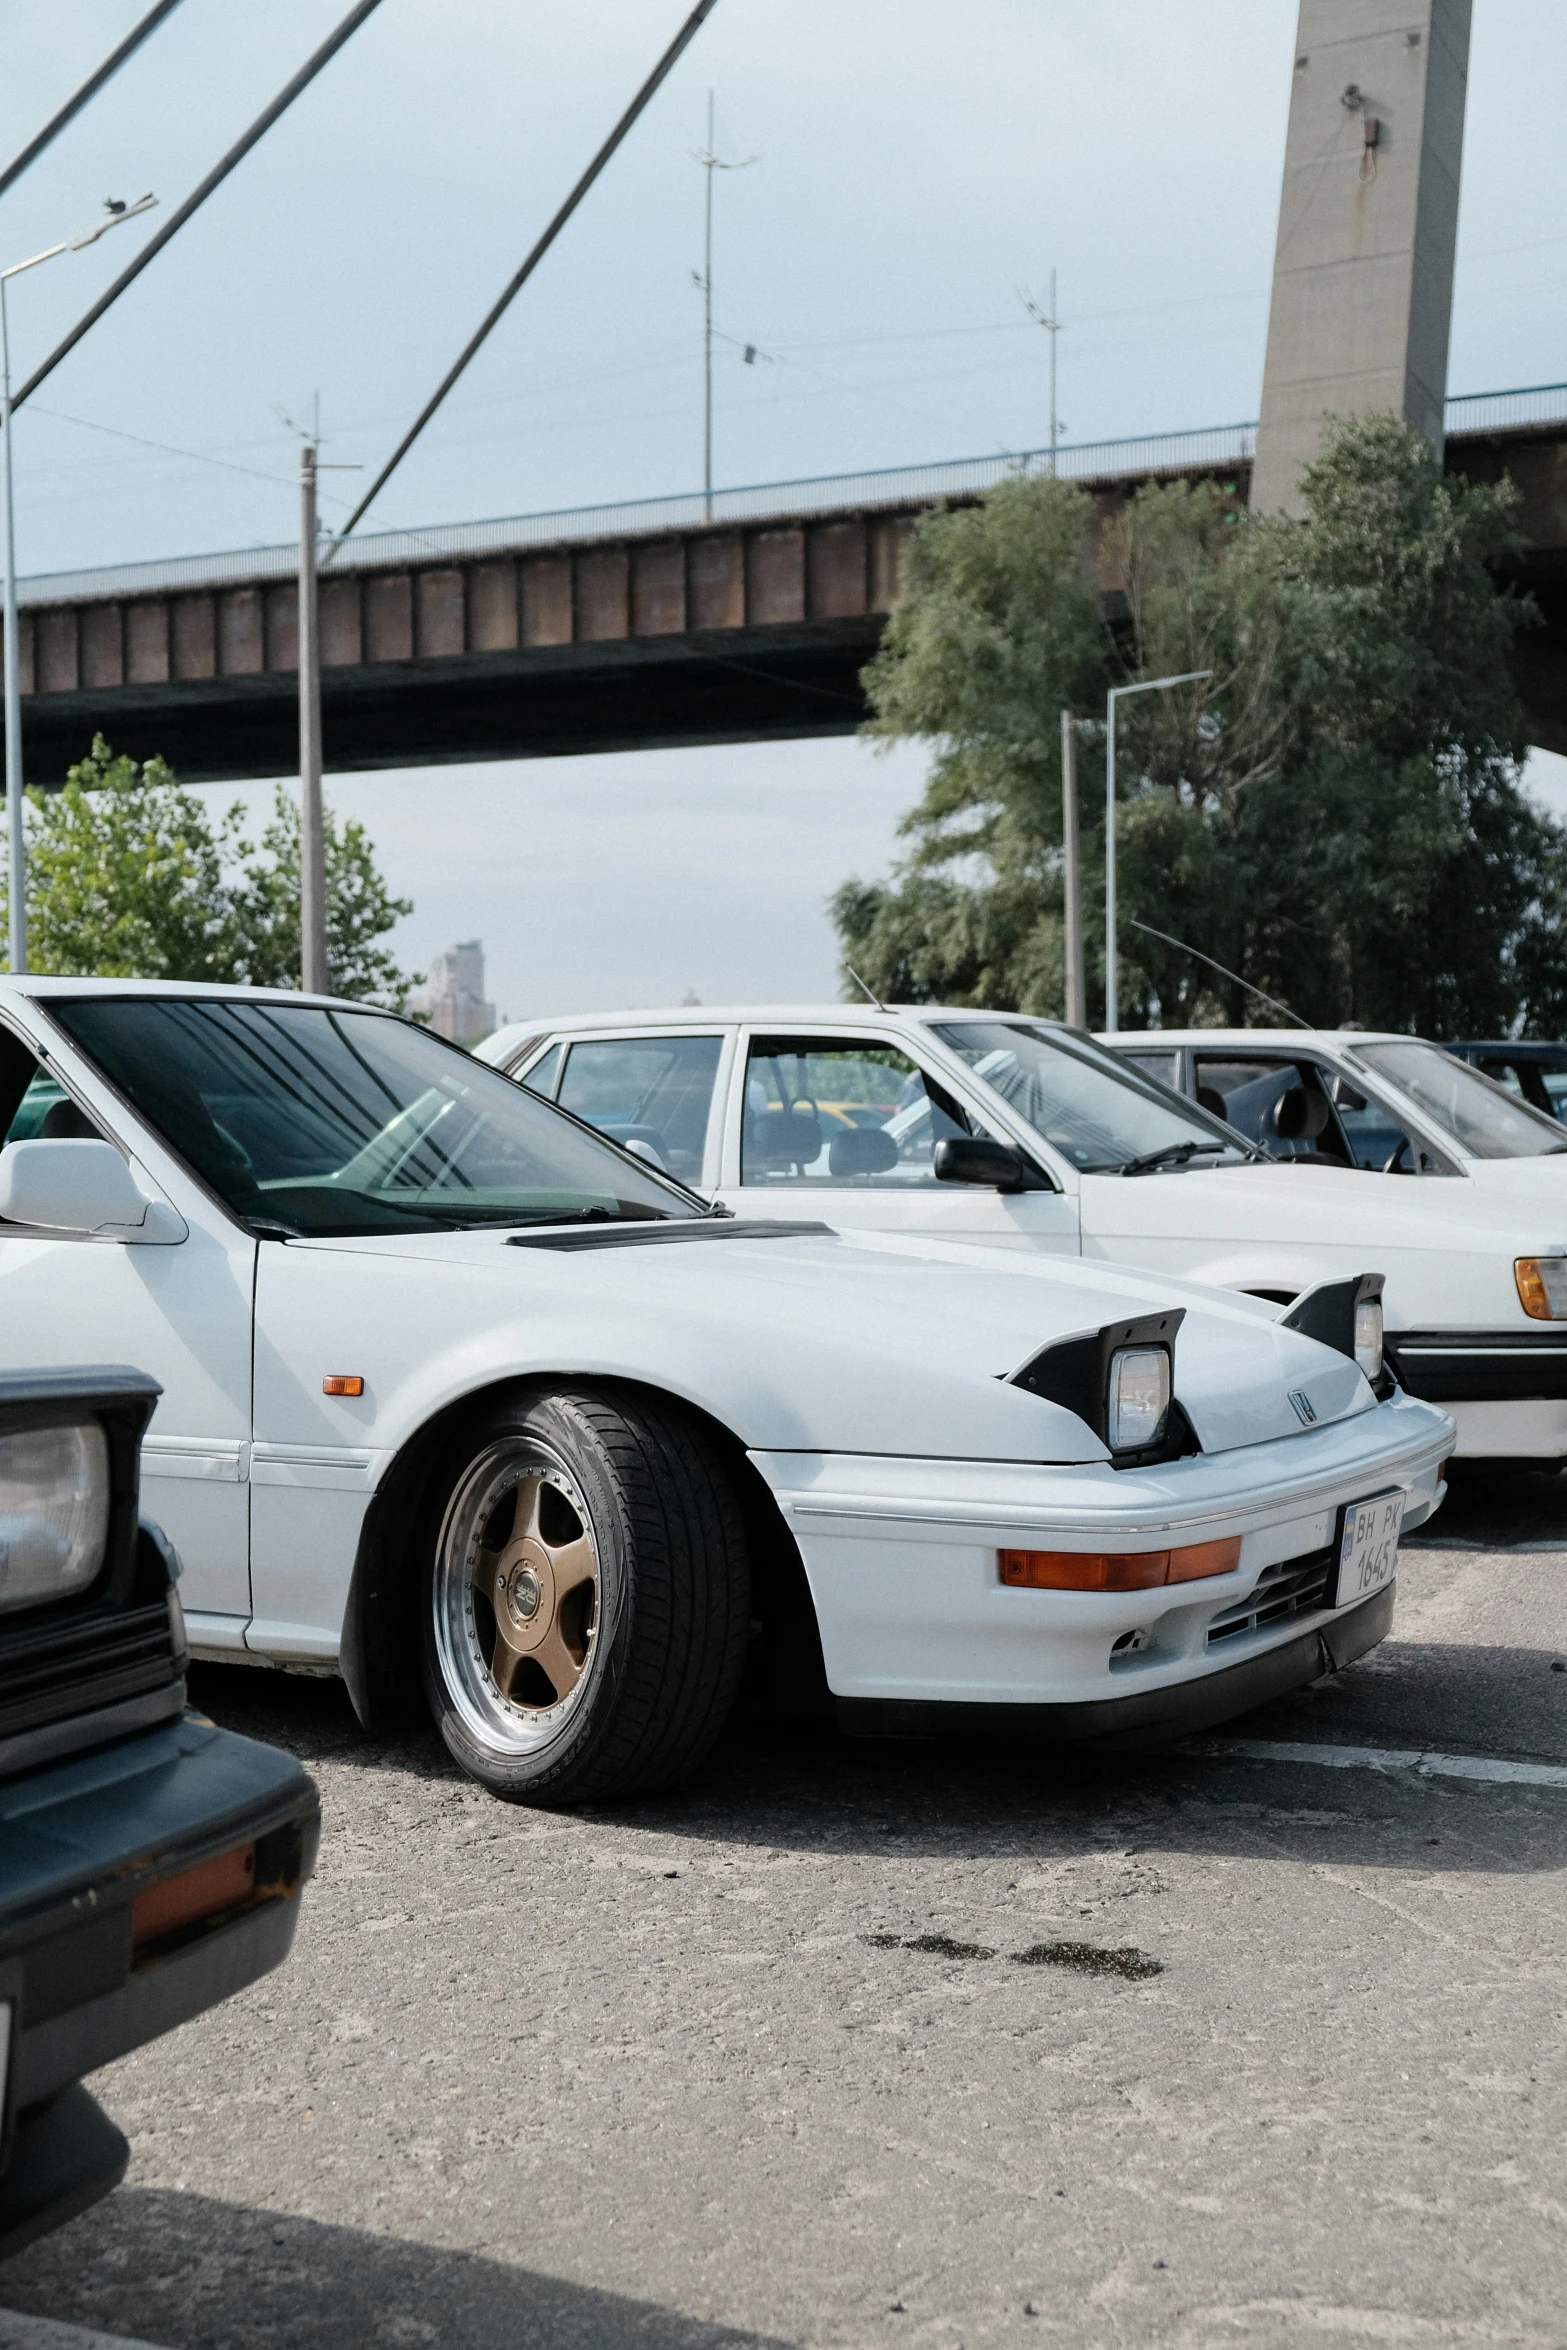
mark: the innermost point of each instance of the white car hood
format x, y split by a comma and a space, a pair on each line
872, 1343
1392, 1213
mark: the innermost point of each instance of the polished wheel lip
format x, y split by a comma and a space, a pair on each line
505, 1729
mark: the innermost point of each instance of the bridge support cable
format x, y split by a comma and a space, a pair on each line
198, 196
664, 67
89, 89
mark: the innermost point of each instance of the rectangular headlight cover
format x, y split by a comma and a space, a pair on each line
54, 1512
1368, 1337
1139, 1397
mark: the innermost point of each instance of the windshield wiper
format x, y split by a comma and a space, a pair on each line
1172, 1154
586, 1216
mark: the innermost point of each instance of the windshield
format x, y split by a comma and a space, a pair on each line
1094, 1110
1481, 1118
336, 1122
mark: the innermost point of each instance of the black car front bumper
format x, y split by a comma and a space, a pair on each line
82, 1842
1481, 1366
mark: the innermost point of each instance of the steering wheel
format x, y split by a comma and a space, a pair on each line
1390, 1165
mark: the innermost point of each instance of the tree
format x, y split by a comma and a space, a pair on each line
1336, 814
360, 910
131, 876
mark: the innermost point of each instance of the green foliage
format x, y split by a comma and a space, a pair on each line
359, 910
131, 876
1336, 814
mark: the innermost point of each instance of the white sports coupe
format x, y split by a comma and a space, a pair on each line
458, 1395
1025, 1135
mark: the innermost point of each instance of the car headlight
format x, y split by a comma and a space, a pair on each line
1542, 1287
1368, 1337
54, 1512
1139, 1397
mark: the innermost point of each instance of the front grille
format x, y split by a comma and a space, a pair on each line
72, 1663
1291, 1588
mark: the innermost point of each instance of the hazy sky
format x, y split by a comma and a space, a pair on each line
917, 165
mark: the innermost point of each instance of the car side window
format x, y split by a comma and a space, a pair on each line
1160, 1065
542, 1077
1280, 1103
649, 1093
40, 1109
1525, 1080
827, 1110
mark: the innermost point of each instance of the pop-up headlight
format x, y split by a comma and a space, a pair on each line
54, 1512
1368, 1336
1139, 1400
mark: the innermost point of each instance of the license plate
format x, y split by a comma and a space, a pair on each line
1367, 1546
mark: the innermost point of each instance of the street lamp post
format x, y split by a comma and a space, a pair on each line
1149, 685
17, 866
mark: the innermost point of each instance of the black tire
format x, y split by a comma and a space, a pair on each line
659, 1646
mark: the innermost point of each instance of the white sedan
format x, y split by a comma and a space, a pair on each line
457, 1395
1022, 1134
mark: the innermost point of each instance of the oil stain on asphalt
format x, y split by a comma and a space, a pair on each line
1132, 1965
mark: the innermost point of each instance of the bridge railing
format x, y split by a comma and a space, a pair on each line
759, 502
784, 501
1507, 411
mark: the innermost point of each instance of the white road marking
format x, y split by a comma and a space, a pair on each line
1382, 1758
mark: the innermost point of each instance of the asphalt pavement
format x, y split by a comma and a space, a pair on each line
910, 2044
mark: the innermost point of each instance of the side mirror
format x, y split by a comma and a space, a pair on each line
862, 1150
973, 1158
83, 1188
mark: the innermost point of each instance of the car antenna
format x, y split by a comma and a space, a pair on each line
860, 984
1272, 1001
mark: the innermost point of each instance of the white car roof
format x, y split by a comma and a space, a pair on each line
42, 985
1249, 1039
782, 1016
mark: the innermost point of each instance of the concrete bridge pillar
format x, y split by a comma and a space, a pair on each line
1368, 219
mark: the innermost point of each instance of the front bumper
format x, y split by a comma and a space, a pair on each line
1506, 1389
1481, 1366
901, 1560
81, 1841
1150, 1717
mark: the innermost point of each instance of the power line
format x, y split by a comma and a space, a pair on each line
193, 202
672, 54
89, 89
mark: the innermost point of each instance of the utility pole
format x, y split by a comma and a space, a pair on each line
1148, 685
313, 973
710, 163
1050, 320
1072, 877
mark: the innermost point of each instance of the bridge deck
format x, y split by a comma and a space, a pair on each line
609, 628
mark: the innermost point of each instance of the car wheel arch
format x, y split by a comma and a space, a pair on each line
378, 1655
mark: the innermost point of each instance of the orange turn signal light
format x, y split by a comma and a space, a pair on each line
342, 1383
1136, 1570
201, 1892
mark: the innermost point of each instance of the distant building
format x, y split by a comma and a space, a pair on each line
453, 999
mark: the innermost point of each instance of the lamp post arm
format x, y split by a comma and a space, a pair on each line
1146, 685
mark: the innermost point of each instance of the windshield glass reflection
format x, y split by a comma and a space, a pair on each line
1481, 1118
1099, 1113
334, 1122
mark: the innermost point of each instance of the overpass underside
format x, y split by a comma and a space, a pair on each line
730, 631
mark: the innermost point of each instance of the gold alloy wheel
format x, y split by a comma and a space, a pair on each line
516, 1596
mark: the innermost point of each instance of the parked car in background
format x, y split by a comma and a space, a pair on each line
1346, 1098
1535, 1072
460, 1396
1025, 1135
150, 1865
